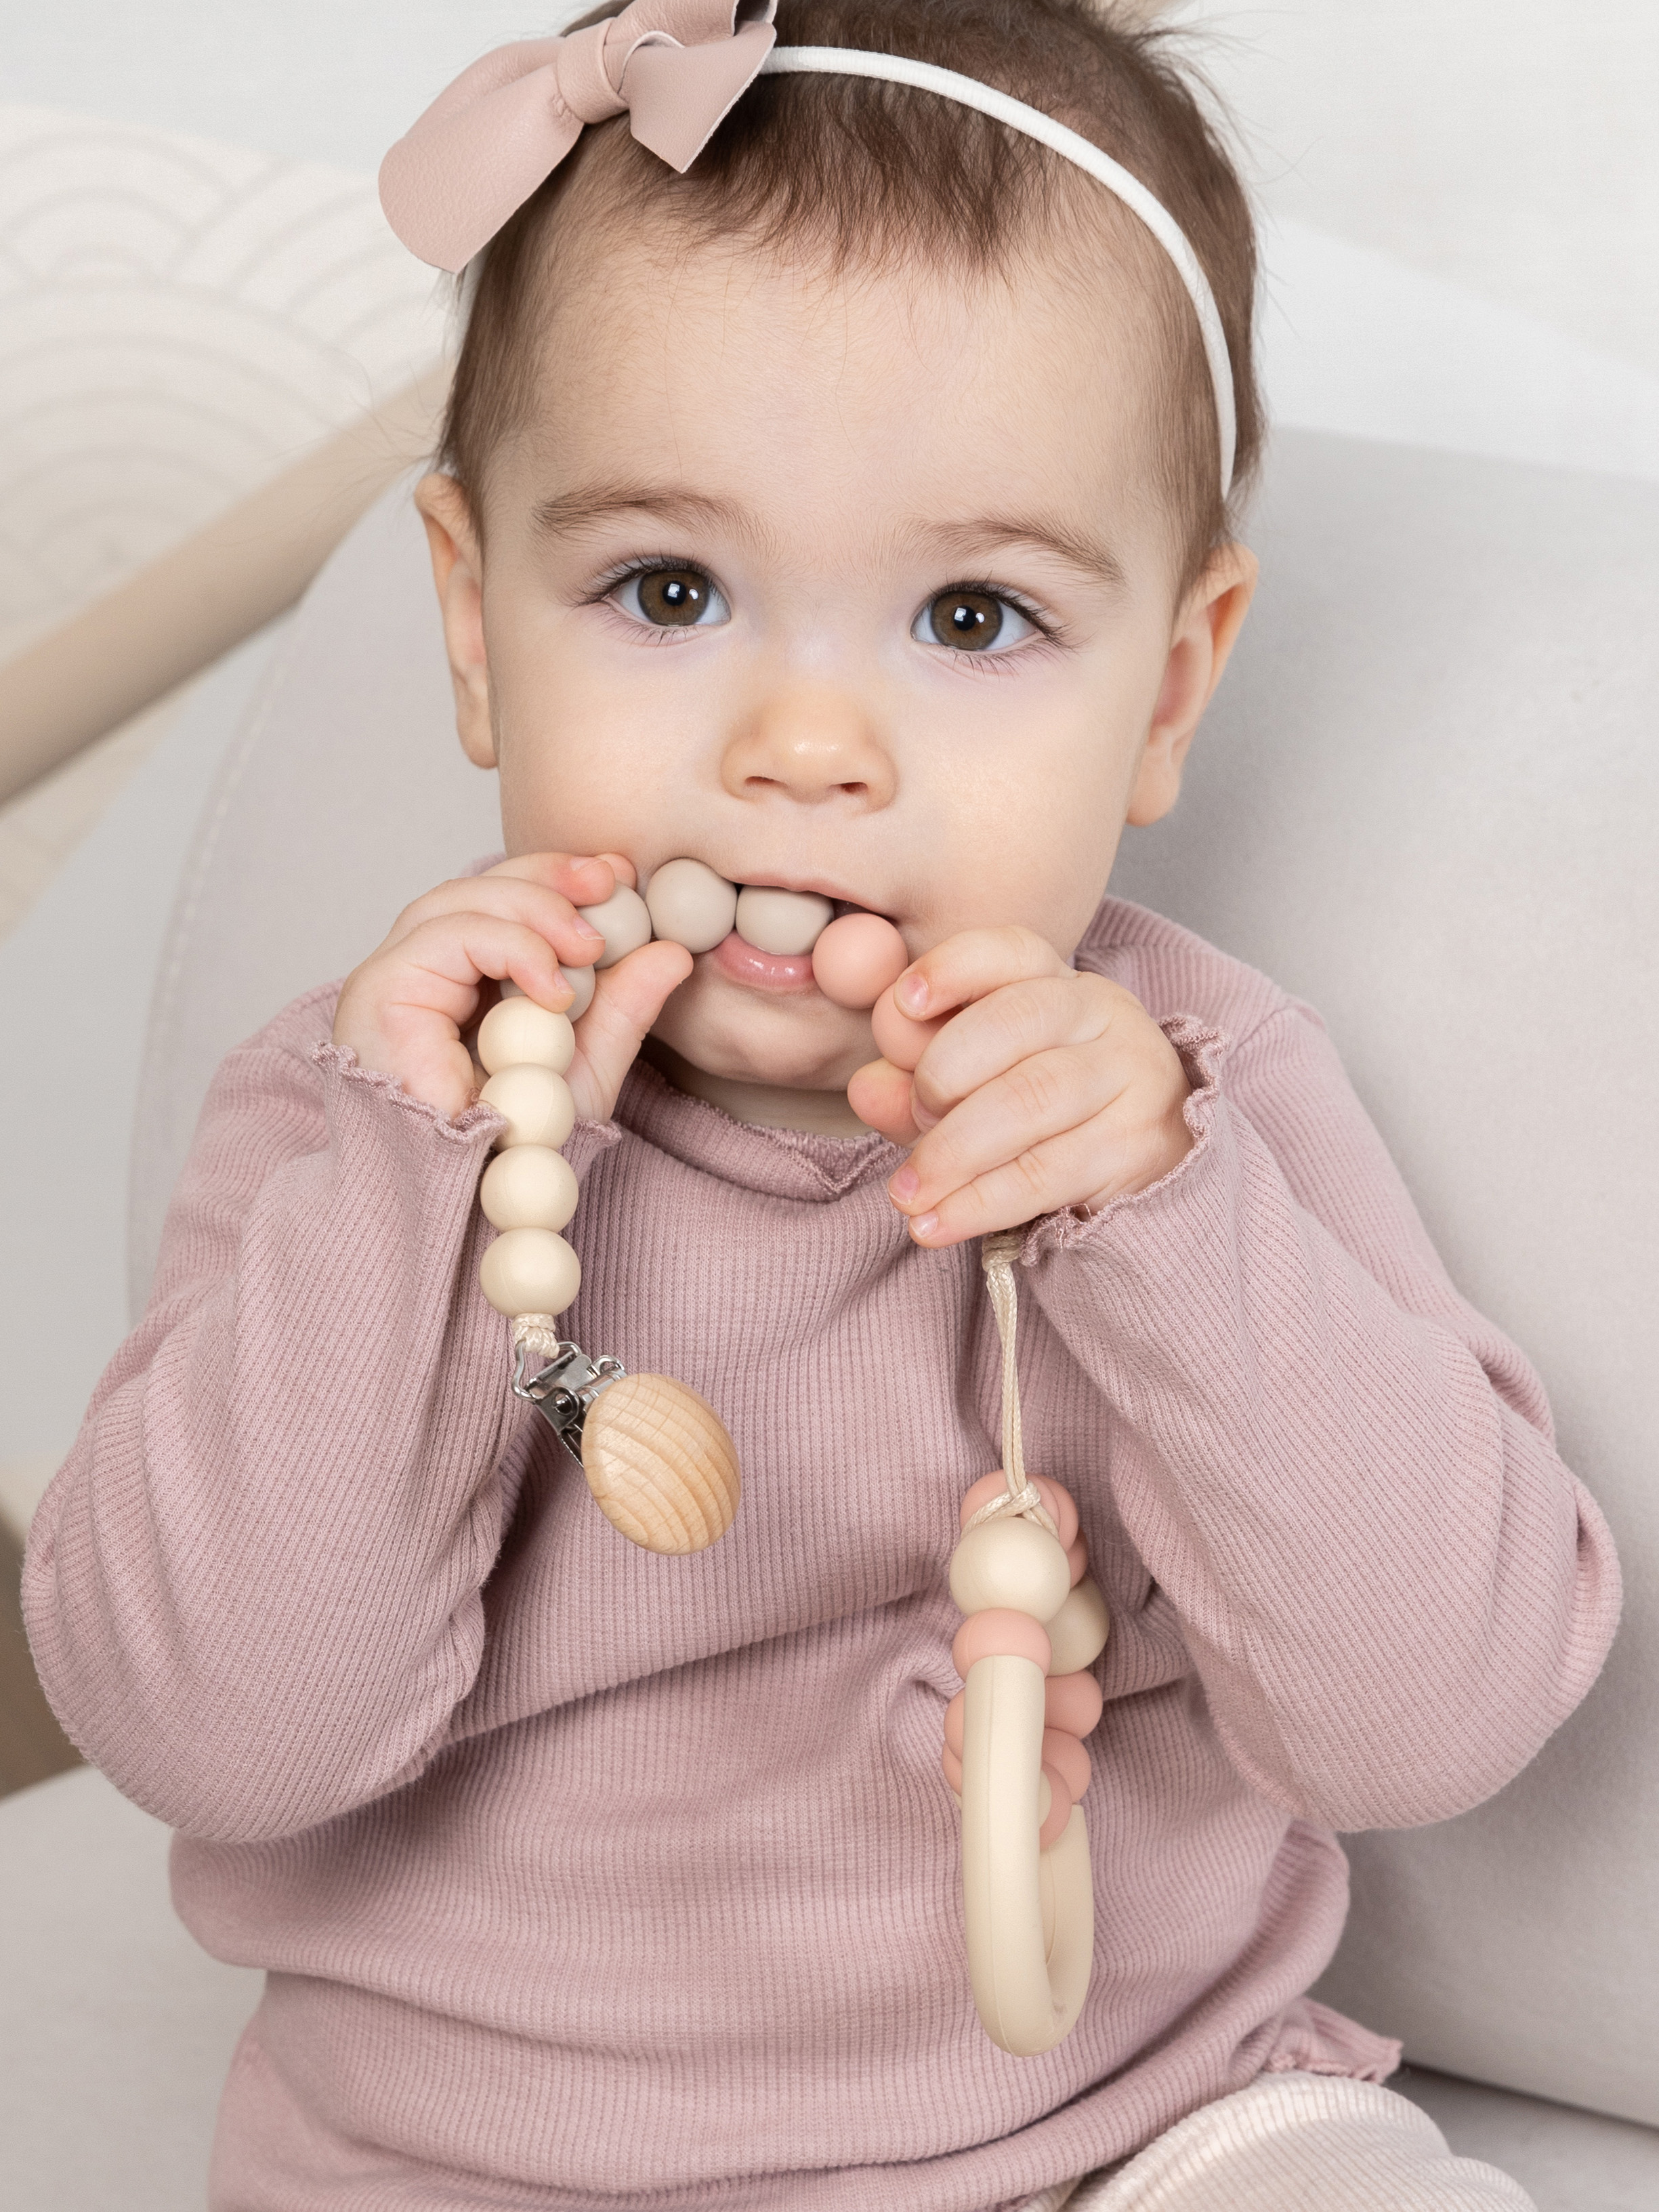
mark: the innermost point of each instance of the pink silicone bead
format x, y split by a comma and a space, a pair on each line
952, 1763
956, 1721
1078, 1554
1063, 1751
1060, 1810
857, 958
998, 1633
1072, 1702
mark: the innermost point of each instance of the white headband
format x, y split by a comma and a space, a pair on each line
968, 92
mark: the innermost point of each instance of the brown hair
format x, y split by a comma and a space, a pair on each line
853, 168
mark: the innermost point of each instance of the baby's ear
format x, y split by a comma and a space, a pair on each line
1205, 631
458, 572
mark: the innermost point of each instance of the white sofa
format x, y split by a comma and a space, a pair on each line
1426, 800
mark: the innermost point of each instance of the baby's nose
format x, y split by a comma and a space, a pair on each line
810, 744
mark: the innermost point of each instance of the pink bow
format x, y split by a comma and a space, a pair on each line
483, 146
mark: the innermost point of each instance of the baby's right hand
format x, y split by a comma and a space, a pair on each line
404, 1010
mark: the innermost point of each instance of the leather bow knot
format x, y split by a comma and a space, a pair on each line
674, 67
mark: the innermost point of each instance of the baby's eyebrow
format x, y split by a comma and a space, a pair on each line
586, 505
982, 533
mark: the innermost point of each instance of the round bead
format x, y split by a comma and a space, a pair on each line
530, 1187
781, 921
1054, 1496
1011, 1564
1074, 1703
1063, 1751
691, 905
580, 980
857, 958
1078, 1555
1054, 1807
956, 1721
537, 1105
624, 921
998, 1635
518, 1033
951, 1762
530, 1270
1077, 1633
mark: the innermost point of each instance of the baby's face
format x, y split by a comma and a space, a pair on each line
856, 587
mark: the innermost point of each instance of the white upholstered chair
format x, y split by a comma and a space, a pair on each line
1426, 800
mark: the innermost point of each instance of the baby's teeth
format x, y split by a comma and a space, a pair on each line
782, 922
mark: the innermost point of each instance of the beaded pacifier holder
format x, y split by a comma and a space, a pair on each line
659, 1462
657, 1456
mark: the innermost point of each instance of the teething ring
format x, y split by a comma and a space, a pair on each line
1034, 1619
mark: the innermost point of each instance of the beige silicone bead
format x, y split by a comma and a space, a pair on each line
1077, 1633
530, 1187
1013, 1563
691, 905
518, 1033
530, 1270
782, 922
539, 1107
580, 980
624, 921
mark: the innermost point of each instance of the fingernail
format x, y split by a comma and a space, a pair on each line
905, 1184
911, 993
924, 1225
588, 930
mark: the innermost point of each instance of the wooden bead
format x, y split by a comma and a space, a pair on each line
530, 1270
857, 958
658, 1461
518, 1033
624, 921
691, 905
998, 1635
1073, 1702
536, 1104
1012, 1564
1077, 1634
781, 921
529, 1187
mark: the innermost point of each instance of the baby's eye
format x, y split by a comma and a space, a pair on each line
671, 599
971, 621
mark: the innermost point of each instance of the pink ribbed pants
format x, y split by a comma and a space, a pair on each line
1296, 2143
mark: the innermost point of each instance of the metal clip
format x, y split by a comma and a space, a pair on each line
564, 1388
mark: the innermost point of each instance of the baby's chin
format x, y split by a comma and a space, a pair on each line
798, 1041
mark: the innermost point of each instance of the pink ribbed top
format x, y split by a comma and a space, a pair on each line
585, 1878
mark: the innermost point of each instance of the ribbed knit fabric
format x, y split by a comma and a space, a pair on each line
587, 1878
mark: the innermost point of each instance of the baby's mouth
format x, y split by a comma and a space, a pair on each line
771, 938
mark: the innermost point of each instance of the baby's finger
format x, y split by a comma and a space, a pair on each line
439, 966
996, 1033
1066, 1171
1041, 1098
965, 967
519, 897
627, 1000
879, 1095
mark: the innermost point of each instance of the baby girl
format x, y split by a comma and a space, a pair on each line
837, 492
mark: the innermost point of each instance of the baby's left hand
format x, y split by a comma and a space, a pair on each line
1024, 1086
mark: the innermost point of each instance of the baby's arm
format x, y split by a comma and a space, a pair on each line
254, 1590
1340, 1476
